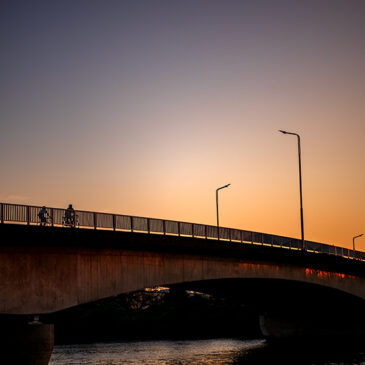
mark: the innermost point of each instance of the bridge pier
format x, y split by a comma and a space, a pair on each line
26, 343
302, 326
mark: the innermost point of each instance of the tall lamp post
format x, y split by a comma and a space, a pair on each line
216, 200
353, 241
300, 185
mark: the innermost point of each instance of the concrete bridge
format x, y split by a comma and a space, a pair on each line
44, 269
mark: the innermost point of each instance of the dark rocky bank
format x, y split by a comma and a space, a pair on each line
149, 315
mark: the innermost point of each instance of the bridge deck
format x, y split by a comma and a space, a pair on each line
86, 220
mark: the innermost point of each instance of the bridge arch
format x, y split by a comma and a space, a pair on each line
56, 278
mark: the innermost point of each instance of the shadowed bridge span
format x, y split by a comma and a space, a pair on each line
29, 215
48, 268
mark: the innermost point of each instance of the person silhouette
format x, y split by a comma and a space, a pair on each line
42, 216
70, 216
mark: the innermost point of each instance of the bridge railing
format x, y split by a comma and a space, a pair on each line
25, 214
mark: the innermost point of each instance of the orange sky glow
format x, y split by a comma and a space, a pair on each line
146, 109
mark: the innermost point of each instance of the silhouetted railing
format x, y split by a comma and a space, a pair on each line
25, 214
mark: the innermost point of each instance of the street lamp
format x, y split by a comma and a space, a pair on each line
300, 185
216, 199
353, 241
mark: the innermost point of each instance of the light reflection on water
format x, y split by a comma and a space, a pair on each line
201, 352
197, 352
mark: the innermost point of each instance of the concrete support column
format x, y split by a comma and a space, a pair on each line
281, 327
310, 327
26, 344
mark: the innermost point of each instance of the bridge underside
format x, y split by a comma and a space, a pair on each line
291, 309
44, 270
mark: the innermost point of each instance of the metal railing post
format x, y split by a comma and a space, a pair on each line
2, 212
52, 215
192, 230
206, 232
178, 228
95, 220
27, 215
148, 226
164, 226
131, 224
114, 222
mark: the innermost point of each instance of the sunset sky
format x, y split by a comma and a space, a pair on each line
146, 107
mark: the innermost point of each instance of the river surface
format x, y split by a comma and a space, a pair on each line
202, 352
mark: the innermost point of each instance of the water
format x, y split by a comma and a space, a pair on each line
201, 352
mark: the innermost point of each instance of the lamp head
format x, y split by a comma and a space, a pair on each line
223, 187
284, 132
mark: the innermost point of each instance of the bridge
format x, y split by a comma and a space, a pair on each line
44, 269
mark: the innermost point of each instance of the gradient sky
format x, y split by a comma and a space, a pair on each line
146, 107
